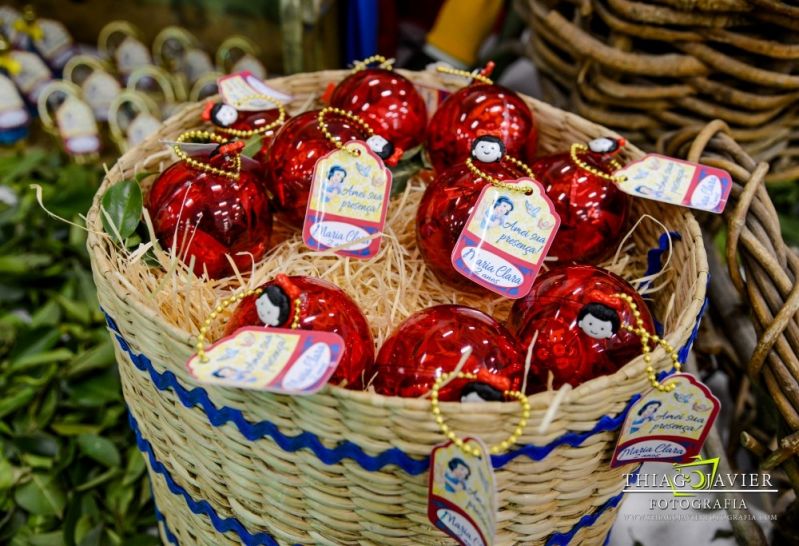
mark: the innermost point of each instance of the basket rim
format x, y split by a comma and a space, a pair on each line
634, 369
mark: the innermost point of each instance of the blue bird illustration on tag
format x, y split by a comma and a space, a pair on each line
364, 170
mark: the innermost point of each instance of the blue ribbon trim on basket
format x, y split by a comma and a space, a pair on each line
588, 520
345, 450
201, 507
225, 525
654, 264
162, 520
563, 539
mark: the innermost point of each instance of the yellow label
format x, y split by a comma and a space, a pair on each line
250, 358
351, 186
515, 223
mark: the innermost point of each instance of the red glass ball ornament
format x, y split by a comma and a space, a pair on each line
577, 320
446, 205
476, 110
592, 209
388, 102
431, 342
324, 307
293, 154
233, 123
207, 215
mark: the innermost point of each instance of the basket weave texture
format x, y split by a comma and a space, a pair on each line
763, 268
647, 69
231, 466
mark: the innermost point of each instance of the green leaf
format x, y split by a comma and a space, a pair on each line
99, 357
47, 357
93, 537
73, 429
100, 449
135, 467
97, 390
15, 400
123, 204
42, 495
23, 263
56, 538
252, 146
38, 443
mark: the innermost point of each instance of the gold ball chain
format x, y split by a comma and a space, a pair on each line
466, 74
224, 304
498, 183
252, 132
357, 66
205, 135
471, 450
581, 148
349, 115
646, 337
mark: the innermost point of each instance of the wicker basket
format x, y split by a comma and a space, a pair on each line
231, 466
764, 269
649, 69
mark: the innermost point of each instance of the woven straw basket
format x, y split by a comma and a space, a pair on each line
232, 466
652, 68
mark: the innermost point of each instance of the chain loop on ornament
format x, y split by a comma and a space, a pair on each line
580, 148
349, 115
475, 170
183, 156
261, 130
466, 74
469, 450
387, 64
224, 304
646, 337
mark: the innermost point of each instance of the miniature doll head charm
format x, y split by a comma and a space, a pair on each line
488, 149
223, 115
598, 321
606, 145
273, 306
380, 146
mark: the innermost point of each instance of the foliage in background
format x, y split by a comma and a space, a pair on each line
70, 473
786, 201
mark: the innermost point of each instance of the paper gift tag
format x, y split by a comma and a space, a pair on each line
141, 127
348, 202
77, 127
100, 89
271, 359
677, 182
130, 55
462, 494
33, 74
667, 426
55, 39
242, 90
13, 113
506, 238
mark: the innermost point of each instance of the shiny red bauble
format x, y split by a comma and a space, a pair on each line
446, 205
576, 320
208, 216
592, 209
324, 307
477, 110
431, 342
388, 102
293, 154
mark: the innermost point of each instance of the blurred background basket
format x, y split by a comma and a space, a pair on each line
647, 69
232, 466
